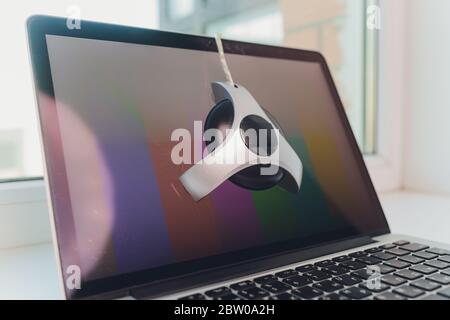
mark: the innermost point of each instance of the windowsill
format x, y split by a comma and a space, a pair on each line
30, 272
418, 214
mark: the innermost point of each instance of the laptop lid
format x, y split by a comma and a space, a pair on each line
122, 111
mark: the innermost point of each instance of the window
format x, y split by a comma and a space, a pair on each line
20, 154
337, 28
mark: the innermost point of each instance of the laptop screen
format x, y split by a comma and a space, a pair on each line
110, 133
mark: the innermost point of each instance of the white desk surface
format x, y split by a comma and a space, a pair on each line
30, 272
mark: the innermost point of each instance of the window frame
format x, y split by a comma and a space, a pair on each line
205, 12
385, 167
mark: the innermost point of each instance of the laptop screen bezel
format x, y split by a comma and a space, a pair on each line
40, 26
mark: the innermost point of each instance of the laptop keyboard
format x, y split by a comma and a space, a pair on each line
396, 271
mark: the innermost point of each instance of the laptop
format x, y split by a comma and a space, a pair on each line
138, 212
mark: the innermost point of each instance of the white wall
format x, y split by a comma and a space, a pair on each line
427, 115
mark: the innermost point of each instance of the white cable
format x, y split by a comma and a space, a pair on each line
225, 68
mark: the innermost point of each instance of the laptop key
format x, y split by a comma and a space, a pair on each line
342, 259
265, 279
228, 297
363, 274
253, 293
434, 297
197, 296
411, 259
275, 287
286, 274
307, 292
358, 254
440, 278
306, 268
328, 286
317, 275
421, 268
383, 256
298, 281
398, 252
347, 280
414, 247
446, 272
445, 293
425, 285
334, 297
439, 252
369, 260
401, 243
438, 264
409, 292
372, 250
284, 296
397, 264
377, 288
242, 285
445, 259
389, 296
335, 270
218, 292
387, 246
408, 274
353, 265
425, 255
384, 269
356, 293
323, 263
393, 280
